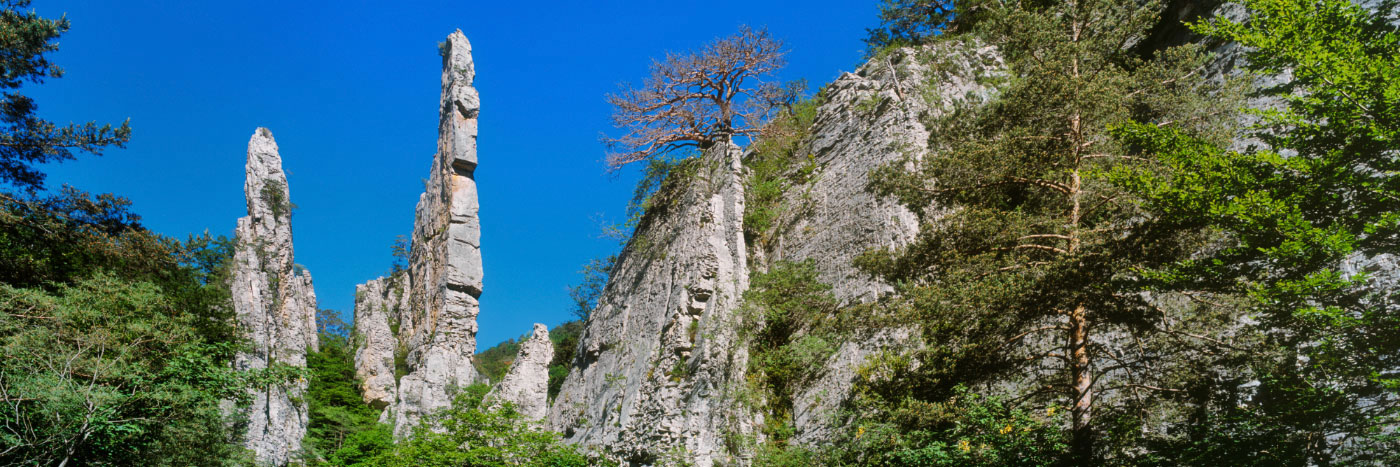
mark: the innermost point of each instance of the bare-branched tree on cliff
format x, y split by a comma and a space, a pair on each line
698, 99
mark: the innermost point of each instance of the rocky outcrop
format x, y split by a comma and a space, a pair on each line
434, 322
871, 117
275, 305
377, 306
659, 364
526, 383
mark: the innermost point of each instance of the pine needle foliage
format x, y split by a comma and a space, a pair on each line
1026, 261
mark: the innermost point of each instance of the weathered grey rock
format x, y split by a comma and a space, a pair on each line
275, 305
526, 383
432, 314
377, 308
659, 364
871, 118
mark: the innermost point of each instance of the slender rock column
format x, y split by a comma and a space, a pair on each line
439, 327
275, 305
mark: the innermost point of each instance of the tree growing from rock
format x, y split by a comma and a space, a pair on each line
908, 22
698, 99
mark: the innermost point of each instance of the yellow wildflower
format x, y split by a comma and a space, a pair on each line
1050, 410
964, 445
1007, 429
859, 431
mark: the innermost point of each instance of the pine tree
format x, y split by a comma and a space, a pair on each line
25, 138
1026, 261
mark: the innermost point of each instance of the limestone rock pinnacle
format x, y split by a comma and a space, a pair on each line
275, 305
417, 344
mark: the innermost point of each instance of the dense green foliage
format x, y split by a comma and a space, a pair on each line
110, 371
118, 342
473, 433
342, 430
1318, 193
1039, 248
25, 139
790, 324
908, 22
594, 278
966, 429
1093, 250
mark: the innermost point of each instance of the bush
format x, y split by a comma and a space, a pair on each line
787, 315
342, 429
967, 429
470, 433
108, 371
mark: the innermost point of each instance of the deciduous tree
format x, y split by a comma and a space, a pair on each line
700, 98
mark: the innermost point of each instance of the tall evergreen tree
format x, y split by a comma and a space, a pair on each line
1026, 264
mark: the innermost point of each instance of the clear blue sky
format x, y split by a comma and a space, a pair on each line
350, 91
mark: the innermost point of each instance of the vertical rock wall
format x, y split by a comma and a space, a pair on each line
433, 322
659, 362
872, 117
659, 365
275, 306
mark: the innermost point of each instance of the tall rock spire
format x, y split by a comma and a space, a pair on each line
275, 305
438, 329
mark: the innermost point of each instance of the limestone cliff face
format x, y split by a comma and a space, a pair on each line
526, 383
275, 306
659, 363
435, 317
872, 117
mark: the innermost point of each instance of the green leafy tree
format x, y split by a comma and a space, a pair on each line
109, 371
25, 139
595, 277
474, 434
342, 429
1318, 193
1025, 264
967, 429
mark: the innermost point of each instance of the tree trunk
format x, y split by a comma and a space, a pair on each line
1082, 442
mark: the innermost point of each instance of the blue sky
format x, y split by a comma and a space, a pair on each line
350, 91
